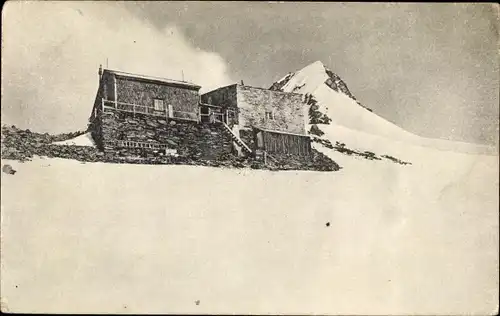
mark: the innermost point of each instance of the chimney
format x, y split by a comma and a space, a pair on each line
100, 71
242, 82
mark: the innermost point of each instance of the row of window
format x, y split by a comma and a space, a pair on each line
160, 106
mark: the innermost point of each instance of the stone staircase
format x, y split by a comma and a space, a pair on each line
236, 138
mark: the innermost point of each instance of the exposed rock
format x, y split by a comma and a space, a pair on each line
396, 160
278, 86
341, 147
8, 169
22, 145
316, 161
316, 131
171, 143
315, 116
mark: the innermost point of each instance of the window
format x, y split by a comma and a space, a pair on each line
260, 140
170, 110
269, 115
158, 105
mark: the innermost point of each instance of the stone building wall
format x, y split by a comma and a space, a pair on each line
189, 139
139, 92
107, 83
95, 128
253, 103
225, 97
95, 120
288, 109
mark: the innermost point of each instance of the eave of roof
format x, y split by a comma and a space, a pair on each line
237, 85
280, 132
153, 79
265, 89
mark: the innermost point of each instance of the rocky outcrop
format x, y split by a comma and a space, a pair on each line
23, 145
315, 130
316, 116
278, 85
341, 148
316, 161
8, 169
337, 84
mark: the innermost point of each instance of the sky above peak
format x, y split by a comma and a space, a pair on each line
430, 68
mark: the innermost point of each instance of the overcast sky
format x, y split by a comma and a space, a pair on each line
430, 68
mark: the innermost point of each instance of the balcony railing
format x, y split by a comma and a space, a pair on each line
213, 117
148, 110
185, 115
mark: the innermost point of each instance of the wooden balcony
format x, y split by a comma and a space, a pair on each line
149, 110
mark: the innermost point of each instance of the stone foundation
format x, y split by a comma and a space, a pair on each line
187, 138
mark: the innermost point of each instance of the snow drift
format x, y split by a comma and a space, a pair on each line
110, 238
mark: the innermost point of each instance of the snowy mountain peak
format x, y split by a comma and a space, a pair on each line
316, 66
329, 101
303, 81
317, 63
312, 77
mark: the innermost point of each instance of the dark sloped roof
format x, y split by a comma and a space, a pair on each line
153, 79
251, 87
279, 132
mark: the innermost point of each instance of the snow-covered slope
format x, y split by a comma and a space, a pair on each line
419, 156
336, 101
114, 238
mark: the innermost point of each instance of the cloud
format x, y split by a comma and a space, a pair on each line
52, 51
